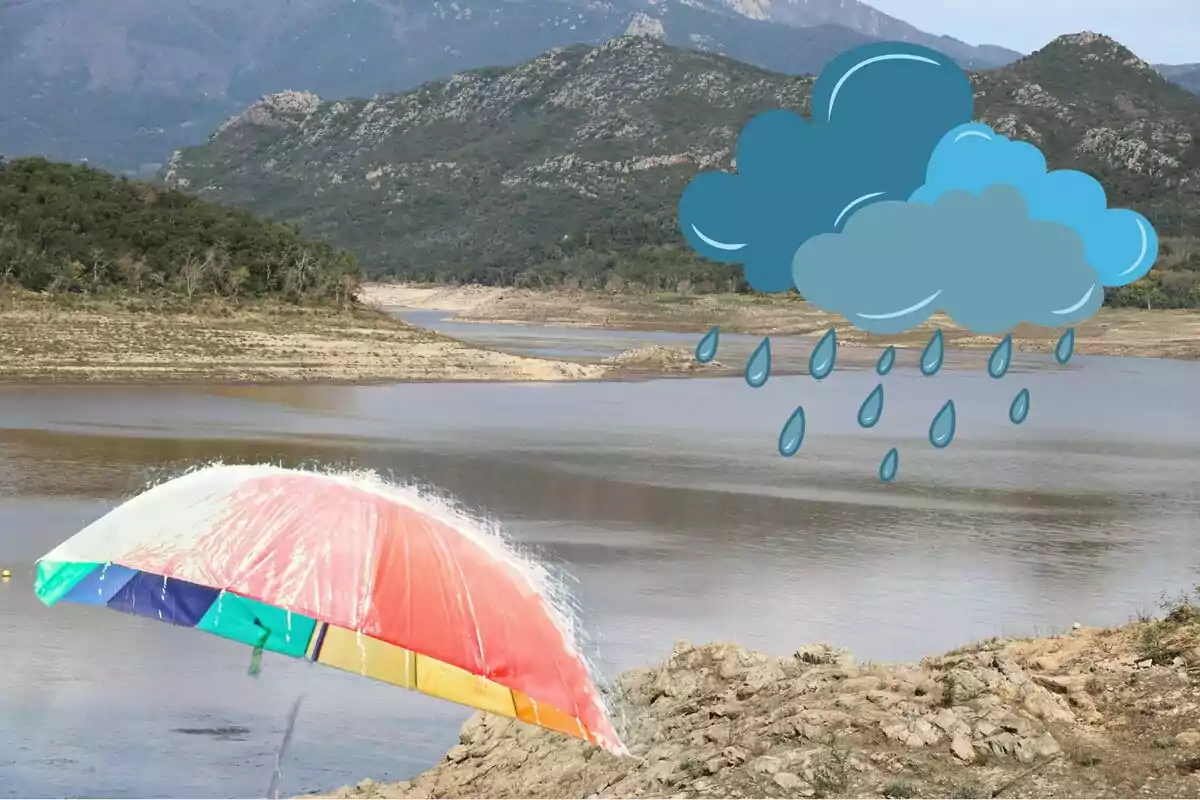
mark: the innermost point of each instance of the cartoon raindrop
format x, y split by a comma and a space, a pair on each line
889, 465
1065, 347
933, 354
758, 368
872, 408
886, 361
792, 434
1001, 358
821, 362
941, 430
706, 349
1019, 409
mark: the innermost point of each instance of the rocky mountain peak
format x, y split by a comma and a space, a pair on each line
1091, 46
278, 110
643, 24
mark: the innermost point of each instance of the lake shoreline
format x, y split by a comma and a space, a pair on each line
139, 341
1173, 334
1091, 713
130, 342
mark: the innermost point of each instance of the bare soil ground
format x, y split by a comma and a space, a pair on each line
1121, 332
1092, 713
43, 339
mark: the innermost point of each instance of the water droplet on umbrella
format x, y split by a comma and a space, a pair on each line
792, 434
821, 362
1001, 358
941, 430
889, 465
1065, 347
706, 349
933, 354
886, 361
1019, 409
871, 408
758, 368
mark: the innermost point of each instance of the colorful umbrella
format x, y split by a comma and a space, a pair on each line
345, 571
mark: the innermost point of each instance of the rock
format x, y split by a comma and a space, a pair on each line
1188, 739
1061, 684
735, 755
788, 781
950, 723
767, 765
825, 654
759, 676
1045, 746
984, 729
884, 699
966, 685
1049, 663
1085, 707
1015, 724
850, 702
928, 733
730, 709
985, 702
1046, 707
863, 684
961, 747
907, 735
1002, 744
814, 733
1010, 669
719, 733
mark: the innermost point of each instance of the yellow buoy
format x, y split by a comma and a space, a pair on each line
5, 574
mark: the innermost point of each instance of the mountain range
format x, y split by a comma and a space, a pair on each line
1186, 75
123, 83
571, 164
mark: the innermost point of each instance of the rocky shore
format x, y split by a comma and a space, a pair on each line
1091, 713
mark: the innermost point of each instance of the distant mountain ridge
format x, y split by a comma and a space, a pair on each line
123, 84
1186, 75
569, 166
870, 21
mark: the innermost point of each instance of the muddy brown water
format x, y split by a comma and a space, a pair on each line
666, 500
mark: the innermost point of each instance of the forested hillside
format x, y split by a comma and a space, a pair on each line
66, 228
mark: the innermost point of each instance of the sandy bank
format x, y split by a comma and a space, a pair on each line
1093, 713
1124, 332
44, 340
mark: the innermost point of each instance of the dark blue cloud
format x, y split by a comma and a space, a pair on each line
878, 112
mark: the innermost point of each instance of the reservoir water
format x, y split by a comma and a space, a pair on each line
668, 502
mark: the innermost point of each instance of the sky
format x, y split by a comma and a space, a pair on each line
1159, 31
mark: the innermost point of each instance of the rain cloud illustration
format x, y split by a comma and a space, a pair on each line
889, 204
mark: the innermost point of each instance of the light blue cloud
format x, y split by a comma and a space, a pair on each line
1120, 244
977, 257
